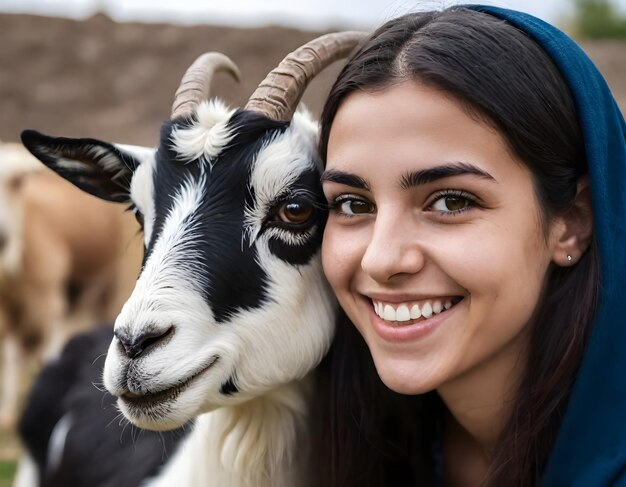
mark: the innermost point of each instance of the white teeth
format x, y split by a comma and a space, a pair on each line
402, 313
415, 312
389, 313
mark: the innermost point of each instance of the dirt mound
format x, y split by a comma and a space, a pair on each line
116, 81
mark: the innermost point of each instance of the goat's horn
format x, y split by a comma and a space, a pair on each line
195, 85
279, 93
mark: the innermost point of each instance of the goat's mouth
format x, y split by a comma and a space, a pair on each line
151, 399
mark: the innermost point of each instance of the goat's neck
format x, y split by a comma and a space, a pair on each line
260, 443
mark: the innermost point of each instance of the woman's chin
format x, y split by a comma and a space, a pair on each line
403, 378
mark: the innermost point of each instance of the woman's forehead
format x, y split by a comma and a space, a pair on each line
411, 127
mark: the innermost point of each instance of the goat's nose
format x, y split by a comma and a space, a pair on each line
134, 346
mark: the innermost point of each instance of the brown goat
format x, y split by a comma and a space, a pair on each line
67, 259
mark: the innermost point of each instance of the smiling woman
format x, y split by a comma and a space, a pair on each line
463, 249
411, 245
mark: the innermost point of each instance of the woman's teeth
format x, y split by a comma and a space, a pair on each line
410, 311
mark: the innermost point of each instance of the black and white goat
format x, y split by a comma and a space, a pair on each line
231, 311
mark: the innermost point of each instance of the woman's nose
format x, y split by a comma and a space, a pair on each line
392, 251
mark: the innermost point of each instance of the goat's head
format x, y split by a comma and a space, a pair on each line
231, 300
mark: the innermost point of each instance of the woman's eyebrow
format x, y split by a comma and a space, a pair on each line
345, 178
424, 176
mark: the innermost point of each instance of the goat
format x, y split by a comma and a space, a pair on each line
231, 311
58, 247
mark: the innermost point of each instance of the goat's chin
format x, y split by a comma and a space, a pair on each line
165, 410
178, 405
144, 419
162, 417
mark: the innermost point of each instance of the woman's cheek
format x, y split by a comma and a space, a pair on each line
330, 255
340, 258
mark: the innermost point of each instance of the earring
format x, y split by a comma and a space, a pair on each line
569, 258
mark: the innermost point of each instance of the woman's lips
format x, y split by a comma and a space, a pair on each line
410, 320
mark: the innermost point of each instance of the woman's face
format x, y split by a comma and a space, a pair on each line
434, 244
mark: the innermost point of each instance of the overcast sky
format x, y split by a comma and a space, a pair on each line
308, 14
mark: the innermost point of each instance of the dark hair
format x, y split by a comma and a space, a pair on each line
503, 78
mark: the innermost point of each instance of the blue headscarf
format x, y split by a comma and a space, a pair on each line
590, 449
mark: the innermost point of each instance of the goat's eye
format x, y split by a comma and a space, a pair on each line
295, 212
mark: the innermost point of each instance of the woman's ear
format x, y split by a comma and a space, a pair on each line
573, 231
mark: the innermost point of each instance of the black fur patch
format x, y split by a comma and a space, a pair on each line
229, 388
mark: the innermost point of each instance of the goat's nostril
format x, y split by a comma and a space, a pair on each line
134, 346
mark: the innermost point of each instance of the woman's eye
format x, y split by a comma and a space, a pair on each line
352, 206
294, 212
451, 203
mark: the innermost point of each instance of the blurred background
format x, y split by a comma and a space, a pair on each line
109, 69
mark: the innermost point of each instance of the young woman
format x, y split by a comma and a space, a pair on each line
476, 241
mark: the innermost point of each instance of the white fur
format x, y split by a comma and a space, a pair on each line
142, 194
248, 445
208, 136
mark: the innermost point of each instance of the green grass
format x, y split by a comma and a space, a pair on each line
7, 472
9, 453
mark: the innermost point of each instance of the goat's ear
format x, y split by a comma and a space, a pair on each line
99, 168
